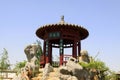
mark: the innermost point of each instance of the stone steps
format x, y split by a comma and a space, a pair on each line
52, 75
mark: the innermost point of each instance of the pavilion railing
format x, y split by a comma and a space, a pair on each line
54, 63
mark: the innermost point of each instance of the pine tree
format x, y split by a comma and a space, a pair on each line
4, 62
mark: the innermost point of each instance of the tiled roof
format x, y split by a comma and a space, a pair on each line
61, 25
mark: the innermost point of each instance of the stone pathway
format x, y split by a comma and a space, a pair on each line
52, 75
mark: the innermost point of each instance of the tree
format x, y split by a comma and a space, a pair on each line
19, 65
4, 62
39, 52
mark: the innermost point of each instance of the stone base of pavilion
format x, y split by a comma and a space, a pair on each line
55, 63
72, 71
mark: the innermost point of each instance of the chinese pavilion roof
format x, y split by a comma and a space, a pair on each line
83, 33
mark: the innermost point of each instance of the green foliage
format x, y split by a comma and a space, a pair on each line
4, 62
100, 66
39, 52
95, 64
111, 76
20, 65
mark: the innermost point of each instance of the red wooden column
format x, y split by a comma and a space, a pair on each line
44, 55
47, 52
61, 52
74, 54
50, 53
79, 48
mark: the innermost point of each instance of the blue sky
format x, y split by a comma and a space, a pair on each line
19, 20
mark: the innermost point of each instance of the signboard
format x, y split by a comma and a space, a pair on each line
54, 35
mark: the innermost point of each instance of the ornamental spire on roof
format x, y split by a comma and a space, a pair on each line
62, 20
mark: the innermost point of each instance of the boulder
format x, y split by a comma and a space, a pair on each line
84, 56
31, 67
47, 69
73, 71
31, 51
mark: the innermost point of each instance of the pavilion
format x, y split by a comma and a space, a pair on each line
61, 35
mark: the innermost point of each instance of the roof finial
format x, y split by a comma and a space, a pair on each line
62, 20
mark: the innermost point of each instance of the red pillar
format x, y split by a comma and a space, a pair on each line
79, 48
47, 59
47, 52
50, 53
61, 52
61, 58
74, 54
44, 55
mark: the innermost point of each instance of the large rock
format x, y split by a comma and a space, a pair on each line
64, 74
48, 68
31, 67
84, 56
31, 51
73, 65
73, 71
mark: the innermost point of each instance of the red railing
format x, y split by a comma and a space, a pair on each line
42, 60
